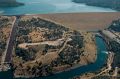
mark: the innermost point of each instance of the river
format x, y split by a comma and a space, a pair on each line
100, 62
50, 6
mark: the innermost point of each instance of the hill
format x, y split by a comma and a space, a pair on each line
9, 3
113, 4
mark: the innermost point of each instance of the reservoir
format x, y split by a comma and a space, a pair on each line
50, 6
99, 63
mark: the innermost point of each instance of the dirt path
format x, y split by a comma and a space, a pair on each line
6, 57
52, 43
63, 47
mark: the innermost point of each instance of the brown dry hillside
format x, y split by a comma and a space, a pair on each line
83, 21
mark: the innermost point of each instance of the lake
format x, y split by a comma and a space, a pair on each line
50, 6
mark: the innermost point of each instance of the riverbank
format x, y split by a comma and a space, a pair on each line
83, 69
93, 74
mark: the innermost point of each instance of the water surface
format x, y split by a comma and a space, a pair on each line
51, 6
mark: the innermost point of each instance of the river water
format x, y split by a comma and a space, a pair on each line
100, 62
50, 6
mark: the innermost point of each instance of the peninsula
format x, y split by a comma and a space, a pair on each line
60, 46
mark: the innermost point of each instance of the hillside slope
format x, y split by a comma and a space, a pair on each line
113, 4
9, 3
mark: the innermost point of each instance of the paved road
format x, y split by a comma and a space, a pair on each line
7, 55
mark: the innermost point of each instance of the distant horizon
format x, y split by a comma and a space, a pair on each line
50, 6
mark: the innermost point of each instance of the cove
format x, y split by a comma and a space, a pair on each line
99, 63
50, 6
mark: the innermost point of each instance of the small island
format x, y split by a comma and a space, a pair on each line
9, 3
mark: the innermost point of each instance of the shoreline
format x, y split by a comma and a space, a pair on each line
38, 14
69, 69
55, 73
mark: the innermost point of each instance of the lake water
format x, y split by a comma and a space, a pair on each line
101, 60
51, 6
